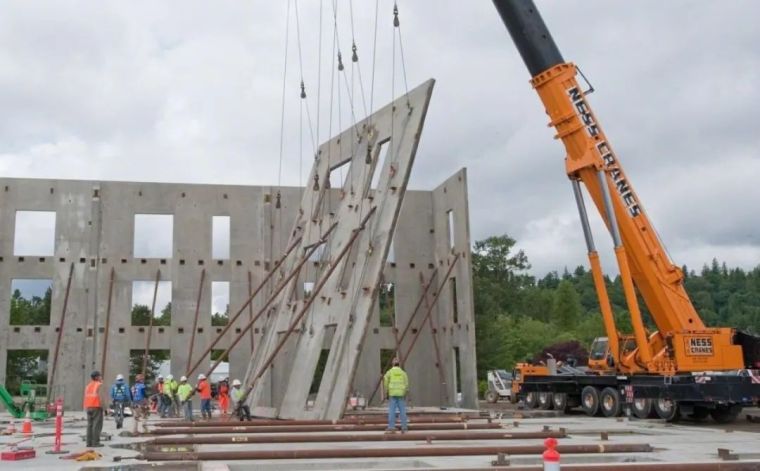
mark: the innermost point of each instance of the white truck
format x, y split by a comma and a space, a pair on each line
499, 385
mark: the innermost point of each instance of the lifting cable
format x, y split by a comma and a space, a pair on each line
397, 28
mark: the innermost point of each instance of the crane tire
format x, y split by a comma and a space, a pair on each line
590, 401
559, 400
545, 401
667, 409
610, 402
531, 400
642, 408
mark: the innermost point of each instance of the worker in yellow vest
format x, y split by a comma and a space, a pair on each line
94, 409
396, 385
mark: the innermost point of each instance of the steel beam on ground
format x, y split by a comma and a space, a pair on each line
389, 452
363, 437
275, 422
241, 429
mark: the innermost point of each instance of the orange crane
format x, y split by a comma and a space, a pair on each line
682, 346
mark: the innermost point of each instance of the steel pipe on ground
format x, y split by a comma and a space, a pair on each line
367, 437
276, 422
387, 452
313, 428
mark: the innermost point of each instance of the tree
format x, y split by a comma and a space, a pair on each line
566, 310
221, 319
34, 311
141, 315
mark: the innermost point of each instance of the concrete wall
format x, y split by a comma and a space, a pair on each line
95, 232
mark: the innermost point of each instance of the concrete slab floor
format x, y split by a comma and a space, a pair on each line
683, 442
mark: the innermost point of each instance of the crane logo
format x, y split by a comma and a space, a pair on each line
608, 157
699, 346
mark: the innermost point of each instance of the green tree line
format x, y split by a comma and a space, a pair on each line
517, 315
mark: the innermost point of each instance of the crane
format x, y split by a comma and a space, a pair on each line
682, 347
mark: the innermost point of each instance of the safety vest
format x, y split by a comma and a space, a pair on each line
204, 389
184, 391
92, 395
396, 382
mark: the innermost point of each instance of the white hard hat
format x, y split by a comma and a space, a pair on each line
236, 382
119, 377
201, 376
184, 378
160, 377
170, 377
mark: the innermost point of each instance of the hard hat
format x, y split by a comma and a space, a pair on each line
236, 382
119, 377
170, 377
201, 376
95, 374
160, 377
184, 378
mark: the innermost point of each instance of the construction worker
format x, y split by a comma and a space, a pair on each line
224, 395
139, 403
170, 395
204, 390
240, 407
396, 385
160, 397
185, 397
94, 410
173, 388
120, 397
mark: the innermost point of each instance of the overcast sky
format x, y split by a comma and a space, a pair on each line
191, 92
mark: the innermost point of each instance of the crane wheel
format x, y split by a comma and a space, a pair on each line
590, 400
492, 396
545, 401
667, 409
610, 402
724, 414
642, 408
531, 400
559, 400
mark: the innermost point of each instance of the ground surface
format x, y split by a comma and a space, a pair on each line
682, 442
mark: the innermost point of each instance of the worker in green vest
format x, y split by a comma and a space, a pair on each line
185, 396
171, 387
396, 386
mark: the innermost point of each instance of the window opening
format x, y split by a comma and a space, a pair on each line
220, 237
153, 236
142, 299
220, 303
30, 301
34, 233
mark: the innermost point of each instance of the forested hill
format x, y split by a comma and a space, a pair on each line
517, 315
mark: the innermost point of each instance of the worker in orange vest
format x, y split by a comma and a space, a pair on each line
94, 410
204, 389
224, 395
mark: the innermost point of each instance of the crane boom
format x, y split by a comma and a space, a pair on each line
682, 342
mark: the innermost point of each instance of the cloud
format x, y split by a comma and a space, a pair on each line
191, 92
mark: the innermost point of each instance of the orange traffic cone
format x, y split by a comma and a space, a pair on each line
26, 429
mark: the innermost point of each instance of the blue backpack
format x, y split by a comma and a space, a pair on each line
119, 392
